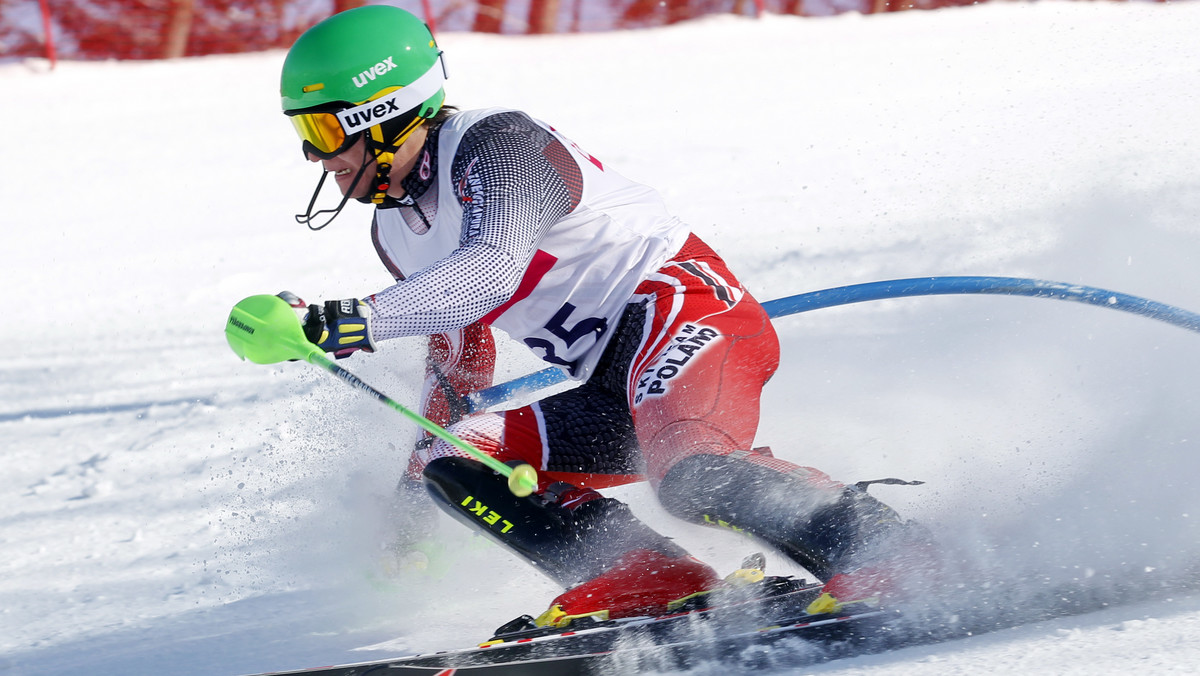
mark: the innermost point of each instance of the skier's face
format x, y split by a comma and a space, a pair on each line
345, 166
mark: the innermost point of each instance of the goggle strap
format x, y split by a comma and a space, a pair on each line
376, 135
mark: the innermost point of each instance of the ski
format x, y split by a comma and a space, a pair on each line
735, 626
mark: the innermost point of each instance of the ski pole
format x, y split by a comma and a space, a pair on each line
266, 330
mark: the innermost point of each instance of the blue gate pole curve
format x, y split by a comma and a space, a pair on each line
896, 288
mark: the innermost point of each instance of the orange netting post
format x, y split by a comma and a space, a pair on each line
429, 17
51, 54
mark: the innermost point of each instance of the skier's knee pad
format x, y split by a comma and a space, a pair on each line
479, 498
570, 545
821, 527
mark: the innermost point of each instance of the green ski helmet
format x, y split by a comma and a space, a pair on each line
373, 69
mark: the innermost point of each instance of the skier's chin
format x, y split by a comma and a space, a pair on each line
346, 184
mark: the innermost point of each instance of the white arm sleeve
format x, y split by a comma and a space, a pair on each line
511, 195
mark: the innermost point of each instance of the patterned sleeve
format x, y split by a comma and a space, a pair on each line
514, 180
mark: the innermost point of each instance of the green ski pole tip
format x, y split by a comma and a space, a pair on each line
266, 330
523, 480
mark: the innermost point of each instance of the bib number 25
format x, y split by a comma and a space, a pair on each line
566, 336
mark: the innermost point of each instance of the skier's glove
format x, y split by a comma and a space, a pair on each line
338, 326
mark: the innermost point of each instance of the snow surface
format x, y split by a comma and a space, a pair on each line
167, 509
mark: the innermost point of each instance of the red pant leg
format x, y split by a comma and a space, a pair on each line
697, 381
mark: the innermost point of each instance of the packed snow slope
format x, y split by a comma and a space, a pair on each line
168, 509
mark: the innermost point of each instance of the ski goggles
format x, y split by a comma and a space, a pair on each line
321, 134
328, 130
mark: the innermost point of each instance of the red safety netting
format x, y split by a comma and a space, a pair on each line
153, 29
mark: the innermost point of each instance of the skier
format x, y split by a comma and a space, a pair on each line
490, 218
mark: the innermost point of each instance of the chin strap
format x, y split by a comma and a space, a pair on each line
383, 164
385, 156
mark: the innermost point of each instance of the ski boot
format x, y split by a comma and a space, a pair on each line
643, 582
839, 533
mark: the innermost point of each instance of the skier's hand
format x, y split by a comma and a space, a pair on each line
338, 326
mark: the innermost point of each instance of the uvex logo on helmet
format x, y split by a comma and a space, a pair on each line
373, 72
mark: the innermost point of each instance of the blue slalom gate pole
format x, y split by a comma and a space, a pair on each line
897, 288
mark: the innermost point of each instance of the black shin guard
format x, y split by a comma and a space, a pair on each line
825, 530
568, 545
